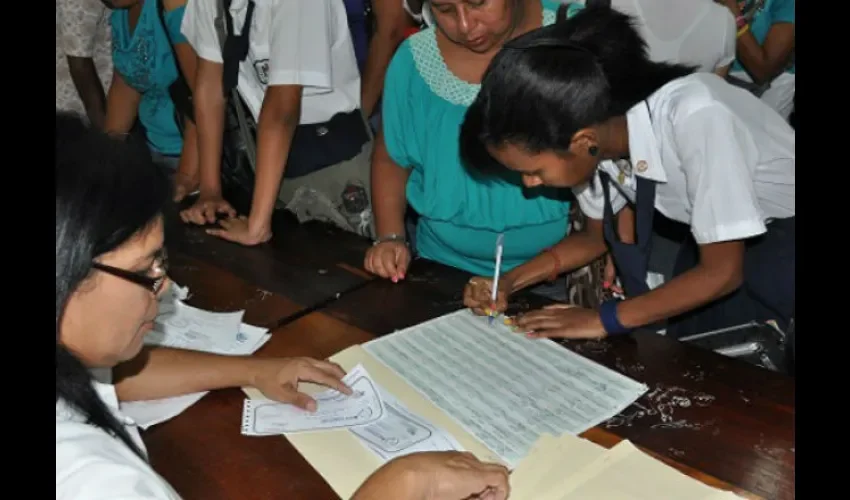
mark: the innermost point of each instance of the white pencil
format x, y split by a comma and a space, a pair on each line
495, 292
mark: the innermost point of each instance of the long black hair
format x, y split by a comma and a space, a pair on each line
107, 191
548, 84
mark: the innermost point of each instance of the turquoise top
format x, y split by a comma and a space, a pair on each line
460, 217
145, 60
772, 12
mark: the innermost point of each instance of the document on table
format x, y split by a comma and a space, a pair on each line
187, 327
401, 432
334, 410
503, 388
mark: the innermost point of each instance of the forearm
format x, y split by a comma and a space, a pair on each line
388, 35
688, 291
209, 117
275, 130
87, 82
754, 59
122, 106
189, 155
573, 252
389, 198
390, 481
160, 372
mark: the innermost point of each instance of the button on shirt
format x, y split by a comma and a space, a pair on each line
94, 465
723, 160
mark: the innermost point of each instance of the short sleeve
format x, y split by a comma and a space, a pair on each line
198, 29
302, 37
396, 110
729, 37
93, 465
173, 20
717, 153
80, 23
782, 11
592, 201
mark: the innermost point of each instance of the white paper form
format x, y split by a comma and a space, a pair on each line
503, 388
401, 432
187, 327
334, 410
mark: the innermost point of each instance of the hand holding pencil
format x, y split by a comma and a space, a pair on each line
477, 295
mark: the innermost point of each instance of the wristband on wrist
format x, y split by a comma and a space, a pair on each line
610, 321
390, 237
743, 30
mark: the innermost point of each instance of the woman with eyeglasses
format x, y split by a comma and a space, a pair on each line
561, 104
111, 268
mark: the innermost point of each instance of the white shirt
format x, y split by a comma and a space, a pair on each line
93, 465
723, 160
699, 33
292, 42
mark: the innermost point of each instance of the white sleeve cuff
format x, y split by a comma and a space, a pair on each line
729, 232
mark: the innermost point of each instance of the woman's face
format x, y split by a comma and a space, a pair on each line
478, 25
108, 316
549, 168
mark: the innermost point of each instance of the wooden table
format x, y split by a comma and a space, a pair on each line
720, 420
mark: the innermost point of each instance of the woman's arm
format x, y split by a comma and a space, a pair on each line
389, 196
720, 272
122, 106
209, 101
764, 62
574, 251
87, 82
391, 21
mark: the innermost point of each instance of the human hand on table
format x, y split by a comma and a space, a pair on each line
206, 209
389, 260
445, 475
278, 379
478, 295
561, 320
239, 230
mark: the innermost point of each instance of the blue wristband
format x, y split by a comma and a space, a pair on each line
608, 315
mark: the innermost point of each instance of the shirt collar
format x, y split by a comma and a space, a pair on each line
643, 144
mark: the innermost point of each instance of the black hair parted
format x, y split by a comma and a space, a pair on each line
546, 85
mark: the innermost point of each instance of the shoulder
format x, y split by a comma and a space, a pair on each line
173, 4
401, 63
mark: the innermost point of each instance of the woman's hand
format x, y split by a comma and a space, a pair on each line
278, 379
388, 260
447, 475
239, 230
561, 320
478, 295
206, 209
184, 185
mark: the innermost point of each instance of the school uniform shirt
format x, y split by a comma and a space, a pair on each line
723, 160
292, 42
94, 465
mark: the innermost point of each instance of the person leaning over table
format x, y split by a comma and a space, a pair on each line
558, 104
111, 267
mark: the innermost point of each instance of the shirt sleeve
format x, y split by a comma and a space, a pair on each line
718, 154
173, 20
80, 23
730, 39
302, 37
782, 11
198, 29
592, 201
396, 114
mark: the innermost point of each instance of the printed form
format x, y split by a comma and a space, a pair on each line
503, 388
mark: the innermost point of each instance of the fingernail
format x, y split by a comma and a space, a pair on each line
395, 280
401, 276
606, 284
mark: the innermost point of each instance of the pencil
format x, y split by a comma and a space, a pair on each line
495, 289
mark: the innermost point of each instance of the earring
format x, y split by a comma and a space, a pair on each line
593, 150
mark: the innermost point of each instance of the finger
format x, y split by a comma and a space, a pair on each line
298, 399
226, 209
330, 367
367, 262
197, 214
209, 213
501, 304
378, 265
226, 224
223, 234
313, 374
389, 266
184, 215
402, 260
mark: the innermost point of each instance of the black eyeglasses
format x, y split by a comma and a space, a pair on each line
154, 284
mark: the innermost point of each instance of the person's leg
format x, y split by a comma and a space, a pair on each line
340, 194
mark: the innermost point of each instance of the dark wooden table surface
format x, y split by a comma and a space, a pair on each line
720, 420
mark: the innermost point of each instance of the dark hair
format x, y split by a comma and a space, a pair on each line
548, 84
107, 190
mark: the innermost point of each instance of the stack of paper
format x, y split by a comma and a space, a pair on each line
381, 422
182, 326
491, 391
567, 468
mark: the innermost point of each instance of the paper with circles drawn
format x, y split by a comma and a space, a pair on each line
401, 433
185, 327
334, 410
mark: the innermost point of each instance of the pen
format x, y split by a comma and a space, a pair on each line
495, 292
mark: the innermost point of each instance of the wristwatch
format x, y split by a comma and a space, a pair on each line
390, 237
